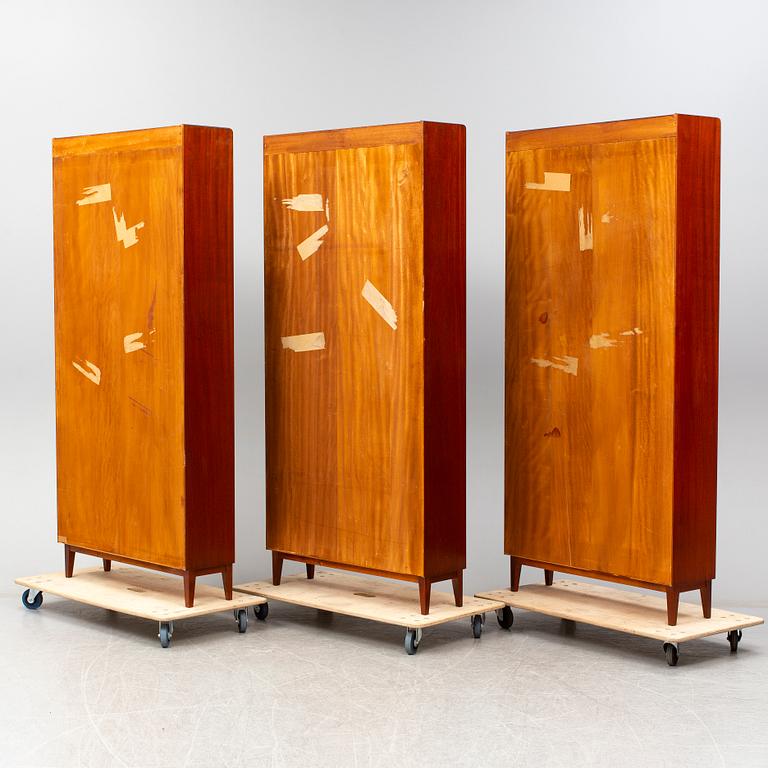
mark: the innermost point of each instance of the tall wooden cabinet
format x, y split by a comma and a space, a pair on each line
612, 352
144, 349
365, 350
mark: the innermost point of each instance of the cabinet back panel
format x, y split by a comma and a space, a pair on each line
590, 356
345, 422
118, 317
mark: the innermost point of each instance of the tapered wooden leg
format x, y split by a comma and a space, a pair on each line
189, 589
107, 564
425, 588
515, 567
310, 571
673, 596
277, 568
69, 561
549, 577
706, 599
458, 589
226, 577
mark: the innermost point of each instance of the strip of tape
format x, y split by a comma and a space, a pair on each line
307, 247
98, 193
304, 342
372, 295
554, 182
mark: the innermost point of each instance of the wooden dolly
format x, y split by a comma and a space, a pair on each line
622, 610
136, 592
374, 599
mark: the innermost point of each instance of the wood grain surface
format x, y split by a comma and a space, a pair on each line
596, 366
346, 422
143, 295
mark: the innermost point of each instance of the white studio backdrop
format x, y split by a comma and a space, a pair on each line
273, 67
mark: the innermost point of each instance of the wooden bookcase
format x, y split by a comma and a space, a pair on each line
144, 349
364, 271
612, 352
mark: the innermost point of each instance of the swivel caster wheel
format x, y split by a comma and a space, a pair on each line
477, 622
412, 641
241, 617
35, 603
261, 611
734, 638
166, 633
505, 617
672, 653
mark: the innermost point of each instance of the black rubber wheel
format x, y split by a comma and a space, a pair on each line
412, 641
505, 617
241, 616
672, 654
477, 626
734, 637
165, 634
261, 611
33, 605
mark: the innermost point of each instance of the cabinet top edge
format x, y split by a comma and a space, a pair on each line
350, 138
637, 129
147, 138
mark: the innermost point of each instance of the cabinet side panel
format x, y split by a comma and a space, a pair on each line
209, 347
444, 348
696, 347
119, 350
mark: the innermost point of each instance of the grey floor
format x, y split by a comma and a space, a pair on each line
85, 687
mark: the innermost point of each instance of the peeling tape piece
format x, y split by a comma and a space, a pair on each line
125, 235
304, 342
606, 218
311, 202
554, 182
307, 247
327, 209
565, 363
585, 231
99, 193
602, 341
131, 342
633, 332
371, 294
94, 374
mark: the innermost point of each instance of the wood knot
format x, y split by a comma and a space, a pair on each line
543, 317
554, 432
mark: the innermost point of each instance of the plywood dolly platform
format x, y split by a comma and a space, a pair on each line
374, 599
145, 594
622, 610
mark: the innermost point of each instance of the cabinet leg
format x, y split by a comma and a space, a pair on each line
425, 588
189, 589
673, 597
107, 564
549, 577
706, 599
458, 589
69, 561
515, 567
277, 568
226, 577
310, 571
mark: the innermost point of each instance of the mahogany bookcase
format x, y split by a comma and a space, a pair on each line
612, 352
144, 349
364, 271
